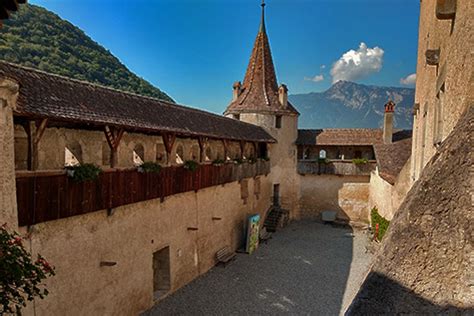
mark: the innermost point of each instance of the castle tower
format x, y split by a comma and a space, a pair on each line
260, 101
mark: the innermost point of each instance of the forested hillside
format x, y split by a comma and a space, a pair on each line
38, 38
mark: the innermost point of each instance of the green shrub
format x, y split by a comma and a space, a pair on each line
218, 162
360, 161
376, 218
191, 165
323, 161
150, 167
252, 160
85, 172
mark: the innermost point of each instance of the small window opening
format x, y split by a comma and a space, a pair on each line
278, 121
73, 154
276, 194
179, 154
322, 154
138, 154
237, 116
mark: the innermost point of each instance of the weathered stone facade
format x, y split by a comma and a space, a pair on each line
425, 264
444, 89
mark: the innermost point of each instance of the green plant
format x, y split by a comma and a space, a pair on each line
376, 218
218, 162
360, 161
252, 160
323, 160
150, 167
85, 172
21, 277
238, 161
191, 165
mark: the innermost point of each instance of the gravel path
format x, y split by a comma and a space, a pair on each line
305, 269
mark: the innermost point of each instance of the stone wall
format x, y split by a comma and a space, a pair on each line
425, 264
282, 156
386, 197
444, 91
77, 245
8, 95
348, 195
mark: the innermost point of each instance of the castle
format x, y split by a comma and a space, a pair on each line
130, 237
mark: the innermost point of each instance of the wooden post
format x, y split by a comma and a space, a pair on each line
168, 141
225, 142
202, 148
242, 148
34, 131
113, 136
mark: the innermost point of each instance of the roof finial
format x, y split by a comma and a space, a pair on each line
262, 23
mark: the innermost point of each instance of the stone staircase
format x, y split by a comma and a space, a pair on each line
276, 218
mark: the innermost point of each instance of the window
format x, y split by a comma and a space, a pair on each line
322, 154
208, 154
244, 190
73, 154
438, 117
278, 121
21, 148
138, 154
236, 116
357, 154
179, 154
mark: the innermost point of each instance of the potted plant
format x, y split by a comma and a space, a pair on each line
360, 161
84, 172
149, 167
191, 165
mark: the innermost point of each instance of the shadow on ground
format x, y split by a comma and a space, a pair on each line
304, 269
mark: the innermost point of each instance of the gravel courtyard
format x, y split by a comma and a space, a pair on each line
306, 268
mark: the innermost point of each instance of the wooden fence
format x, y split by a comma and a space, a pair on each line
44, 197
336, 167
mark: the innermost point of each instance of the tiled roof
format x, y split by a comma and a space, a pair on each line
392, 157
260, 89
340, 136
44, 95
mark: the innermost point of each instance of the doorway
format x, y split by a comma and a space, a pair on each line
161, 272
276, 194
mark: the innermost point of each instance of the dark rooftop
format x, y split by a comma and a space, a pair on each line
44, 95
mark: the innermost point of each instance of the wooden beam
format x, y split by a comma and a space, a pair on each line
242, 148
40, 128
202, 141
34, 131
225, 142
113, 136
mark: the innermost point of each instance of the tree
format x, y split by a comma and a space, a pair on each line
20, 276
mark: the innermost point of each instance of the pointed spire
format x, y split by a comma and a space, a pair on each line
259, 90
262, 22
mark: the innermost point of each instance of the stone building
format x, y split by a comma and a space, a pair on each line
129, 238
425, 263
444, 84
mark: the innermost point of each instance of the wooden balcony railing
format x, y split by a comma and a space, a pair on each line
336, 167
46, 196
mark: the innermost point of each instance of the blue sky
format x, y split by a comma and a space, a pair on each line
195, 49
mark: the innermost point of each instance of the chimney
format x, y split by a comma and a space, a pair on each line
237, 88
388, 122
283, 95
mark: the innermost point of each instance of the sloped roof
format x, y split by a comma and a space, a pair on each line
45, 95
392, 157
340, 136
259, 92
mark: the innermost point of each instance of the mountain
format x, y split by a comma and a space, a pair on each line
38, 38
351, 105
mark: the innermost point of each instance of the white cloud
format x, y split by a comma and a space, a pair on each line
357, 64
408, 80
316, 78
